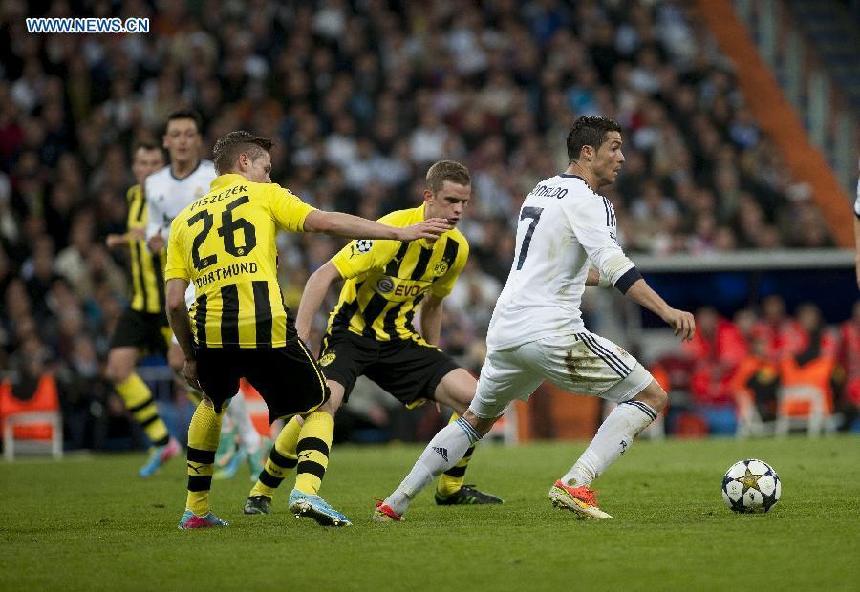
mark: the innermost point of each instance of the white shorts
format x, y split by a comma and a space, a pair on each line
582, 363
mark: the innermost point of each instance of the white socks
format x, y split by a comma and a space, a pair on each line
612, 440
237, 411
443, 452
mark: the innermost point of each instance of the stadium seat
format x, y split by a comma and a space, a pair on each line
36, 421
803, 404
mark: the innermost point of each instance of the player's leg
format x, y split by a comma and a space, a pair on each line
291, 382
251, 443
504, 377
343, 356
456, 390
131, 334
219, 373
283, 457
589, 364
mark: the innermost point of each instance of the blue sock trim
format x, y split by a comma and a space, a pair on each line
471, 432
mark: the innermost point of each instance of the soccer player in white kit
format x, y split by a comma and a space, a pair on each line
566, 239
167, 192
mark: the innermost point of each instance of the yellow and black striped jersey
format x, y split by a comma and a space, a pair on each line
147, 283
386, 280
224, 243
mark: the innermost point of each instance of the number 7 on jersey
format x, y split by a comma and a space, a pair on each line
528, 213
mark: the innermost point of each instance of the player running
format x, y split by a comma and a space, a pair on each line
168, 191
224, 243
371, 333
143, 325
536, 332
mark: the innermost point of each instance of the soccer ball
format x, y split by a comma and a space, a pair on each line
751, 486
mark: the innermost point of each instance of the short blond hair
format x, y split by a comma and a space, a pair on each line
447, 170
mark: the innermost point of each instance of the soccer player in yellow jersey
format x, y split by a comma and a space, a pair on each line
371, 332
238, 326
143, 325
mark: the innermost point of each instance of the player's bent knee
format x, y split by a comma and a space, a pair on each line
120, 365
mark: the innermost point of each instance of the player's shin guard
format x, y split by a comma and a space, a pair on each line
614, 437
443, 452
282, 459
451, 480
138, 400
312, 450
204, 433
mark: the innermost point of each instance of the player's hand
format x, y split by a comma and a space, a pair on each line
683, 322
429, 229
113, 240
189, 371
156, 243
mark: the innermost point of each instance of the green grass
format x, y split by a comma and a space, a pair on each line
88, 523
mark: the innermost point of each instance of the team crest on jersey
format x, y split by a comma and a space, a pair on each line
327, 359
384, 286
440, 268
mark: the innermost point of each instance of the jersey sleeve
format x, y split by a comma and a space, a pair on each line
857, 200
177, 267
288, 211
361, 256
443, 286
593, 223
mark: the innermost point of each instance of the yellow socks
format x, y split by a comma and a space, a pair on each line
204, 432
312, 450
282, 458
451, 480
138, 400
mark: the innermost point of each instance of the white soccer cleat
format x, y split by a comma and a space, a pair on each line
582, 500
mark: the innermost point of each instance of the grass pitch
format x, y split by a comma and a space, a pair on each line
89, 523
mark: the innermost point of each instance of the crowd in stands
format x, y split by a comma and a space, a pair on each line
360, 97
735, 368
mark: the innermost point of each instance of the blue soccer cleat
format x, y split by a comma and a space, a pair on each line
189, 520
159, 456
313, 506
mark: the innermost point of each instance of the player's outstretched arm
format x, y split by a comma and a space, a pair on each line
681, 321
313, 296
349, 226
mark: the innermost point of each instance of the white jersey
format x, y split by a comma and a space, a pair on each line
166, 195
857, 200
564, 228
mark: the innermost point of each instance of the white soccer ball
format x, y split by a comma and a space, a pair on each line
751, 486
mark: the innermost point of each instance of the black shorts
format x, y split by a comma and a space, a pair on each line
144, 330
288, 378
406, 369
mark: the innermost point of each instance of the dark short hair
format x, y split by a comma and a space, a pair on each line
447, 170
589, 130
185, 114
145, 144
230, 146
